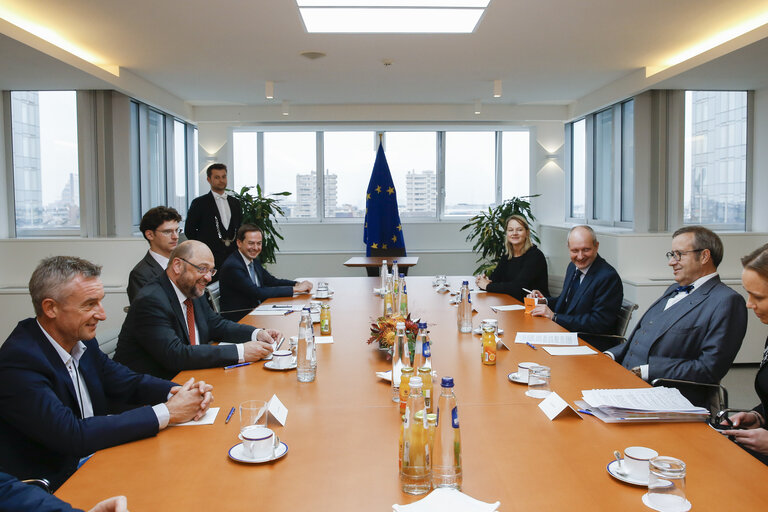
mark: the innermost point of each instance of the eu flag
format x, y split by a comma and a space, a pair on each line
383, 231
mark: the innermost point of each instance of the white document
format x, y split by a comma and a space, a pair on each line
323, 339
640, 399
509, 307
581, 350
269, 312
278, 411
208, 418
553, 405
547, 338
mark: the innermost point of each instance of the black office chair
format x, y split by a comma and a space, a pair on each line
713, 397
603, 342
39, 482
391, 255
213, 294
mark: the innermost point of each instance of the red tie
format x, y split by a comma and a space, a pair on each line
191, 321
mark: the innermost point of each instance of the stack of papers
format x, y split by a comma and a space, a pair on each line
639, 405
547, 338
510, 307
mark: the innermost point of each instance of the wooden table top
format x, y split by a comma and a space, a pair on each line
342, 430
375, 261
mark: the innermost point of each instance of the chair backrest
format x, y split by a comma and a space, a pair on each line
625, 315
213, 296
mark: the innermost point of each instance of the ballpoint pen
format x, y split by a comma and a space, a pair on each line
531, 345
236, 366
229, 416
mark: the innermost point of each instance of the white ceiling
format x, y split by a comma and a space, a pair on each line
549, 52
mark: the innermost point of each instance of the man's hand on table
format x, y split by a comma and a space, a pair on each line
190, 401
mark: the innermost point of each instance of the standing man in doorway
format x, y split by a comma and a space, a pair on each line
215, 217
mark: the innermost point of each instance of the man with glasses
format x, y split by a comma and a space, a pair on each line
160, 227
695, 329
170, 324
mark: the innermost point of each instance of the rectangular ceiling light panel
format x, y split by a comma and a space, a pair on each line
477, 4
351, 20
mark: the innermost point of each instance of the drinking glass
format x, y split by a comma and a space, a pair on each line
538, 382
666, 485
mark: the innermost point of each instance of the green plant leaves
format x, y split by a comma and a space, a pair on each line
260, 210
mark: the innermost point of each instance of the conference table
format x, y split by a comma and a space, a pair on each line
342, 430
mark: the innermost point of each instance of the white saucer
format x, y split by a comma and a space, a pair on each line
316, 296
270, 365
237, 453
532, 394
477, 330
515, 377
679, 507
613, 466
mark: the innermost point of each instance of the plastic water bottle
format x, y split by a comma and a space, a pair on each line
395, 272
400, 345
464, 314
383, 274
418, 349
446, 461
306, 357
415, 474
403, 301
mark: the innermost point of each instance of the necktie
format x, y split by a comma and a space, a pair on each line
684, 289
575, 282
191, 321
252, 271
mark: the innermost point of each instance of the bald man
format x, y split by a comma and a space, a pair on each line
170, 325
592, 292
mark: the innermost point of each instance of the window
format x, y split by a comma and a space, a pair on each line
177, 195
627, 161
157, 168
578, 169
715, 161
45, 162
437, 174
603, 171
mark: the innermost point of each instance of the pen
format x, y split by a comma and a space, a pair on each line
580, 410
282, 306
527, 290
236, 366
531, 345
229, 416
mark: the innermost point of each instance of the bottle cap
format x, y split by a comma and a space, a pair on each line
394, 261
465, 283
447, 382
402, 275
415, 382
422, 325
400, 325
306, 308
384, 262
432, 417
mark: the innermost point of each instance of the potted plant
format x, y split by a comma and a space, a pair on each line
487, 232
259, 210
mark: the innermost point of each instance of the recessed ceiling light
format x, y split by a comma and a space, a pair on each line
312, 55
392, 16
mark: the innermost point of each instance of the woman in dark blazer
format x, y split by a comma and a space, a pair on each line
523, 267
754, 437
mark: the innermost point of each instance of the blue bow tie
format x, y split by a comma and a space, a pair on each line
685, 289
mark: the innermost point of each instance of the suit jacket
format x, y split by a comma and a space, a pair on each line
42, 434
696, 339
202, 216
239, 293
145, 271
16, 495
154, 338
595, 305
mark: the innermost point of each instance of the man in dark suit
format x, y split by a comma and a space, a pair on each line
57, 388
214, 218
695, 329
160, 227
17, 495
170, 325
592, 291
244, 283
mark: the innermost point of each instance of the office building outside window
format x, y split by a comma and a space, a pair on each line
470, 176
289, 158
715, 158
45, 161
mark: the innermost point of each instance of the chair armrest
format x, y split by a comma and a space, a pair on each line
39, 482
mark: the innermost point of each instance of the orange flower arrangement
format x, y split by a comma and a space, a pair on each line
384, 330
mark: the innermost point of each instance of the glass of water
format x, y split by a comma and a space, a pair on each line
666, 485
538, 382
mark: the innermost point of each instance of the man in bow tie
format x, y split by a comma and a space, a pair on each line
694, 330
214, 218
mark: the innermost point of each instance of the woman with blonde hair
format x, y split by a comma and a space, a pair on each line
523, 267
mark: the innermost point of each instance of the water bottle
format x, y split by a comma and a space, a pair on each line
415, 475
446, 460
403, 301
400, 345
383, 274
306, 358
465, 309
418, 349
389, 298
394, 269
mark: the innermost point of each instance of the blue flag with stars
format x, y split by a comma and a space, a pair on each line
383, 230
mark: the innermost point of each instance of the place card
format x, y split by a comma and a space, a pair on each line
553, 405
278, 411
323, 339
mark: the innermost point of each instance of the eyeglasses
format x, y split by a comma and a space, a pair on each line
202, 270
169, 232
677, 255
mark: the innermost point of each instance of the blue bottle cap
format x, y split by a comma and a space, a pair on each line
422, 325
402, 275
465, 282
447, 382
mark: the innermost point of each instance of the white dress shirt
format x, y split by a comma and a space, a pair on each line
248, 261
223, 205
159, 258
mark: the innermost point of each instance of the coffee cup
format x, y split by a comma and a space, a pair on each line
258, 441
635, 462
322, 289
282, 359
524, 368
531, 303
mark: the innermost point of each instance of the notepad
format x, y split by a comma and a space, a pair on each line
547, 338
208, 418
269, 312
581, 350
509, 307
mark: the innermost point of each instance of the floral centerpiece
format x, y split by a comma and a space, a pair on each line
384, 332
